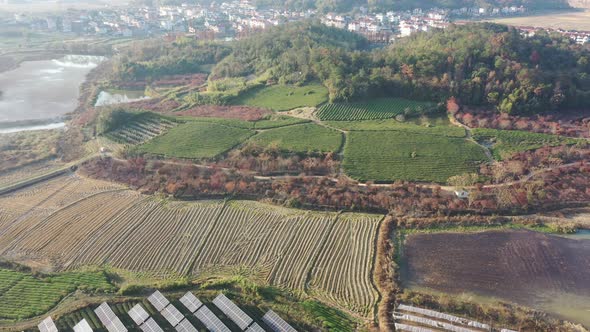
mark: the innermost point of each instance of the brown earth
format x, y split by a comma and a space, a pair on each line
247, 113
521, 266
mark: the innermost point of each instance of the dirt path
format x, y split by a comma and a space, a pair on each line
469, 137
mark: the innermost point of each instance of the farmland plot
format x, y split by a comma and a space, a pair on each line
23, 210
143, 128
23, 295
400, 155
122, 229
338, 276
507, 142
384, 108
196, 140
301, 138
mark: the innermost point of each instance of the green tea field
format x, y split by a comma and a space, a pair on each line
301, 138
506, 142
387, 156
196, 140
383, 108
23, 295
284, 97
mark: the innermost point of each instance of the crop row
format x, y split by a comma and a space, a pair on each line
371, 110
141, 130
391, 156
31, 207
506, 142
282, 246
338, 275
27, 296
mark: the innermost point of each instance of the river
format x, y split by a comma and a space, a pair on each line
40, 93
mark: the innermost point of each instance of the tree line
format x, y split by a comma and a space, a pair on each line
480, 64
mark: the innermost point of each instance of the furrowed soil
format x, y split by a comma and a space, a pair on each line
547, 272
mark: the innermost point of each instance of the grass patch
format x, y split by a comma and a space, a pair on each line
507, 142
196, 140
435, 126
277, 121
381, 108
23, 295
301, 138
331, 319
284, 97
386, 156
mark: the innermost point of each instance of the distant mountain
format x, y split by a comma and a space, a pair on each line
347, 5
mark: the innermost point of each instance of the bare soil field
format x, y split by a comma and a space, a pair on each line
72, 222
525, 267
578, 20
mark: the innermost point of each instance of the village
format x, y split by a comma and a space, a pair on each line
237, 19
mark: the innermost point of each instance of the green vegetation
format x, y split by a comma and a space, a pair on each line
384, 108
274, 121
237, 123
331, 319
277, 121
253, 298
23, 295
507, 142
301, 138
134, 128
195, 140
398, 155
432, 126
284, 97
156, 58
492, 65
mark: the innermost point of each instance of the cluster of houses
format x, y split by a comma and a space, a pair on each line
226, 20
385, 27
580, 37
239, 18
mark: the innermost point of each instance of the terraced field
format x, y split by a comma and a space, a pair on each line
403, 155
196, 140
301, 138
143, 128
67, 225
383, 108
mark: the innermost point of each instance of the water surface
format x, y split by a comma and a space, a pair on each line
43, 90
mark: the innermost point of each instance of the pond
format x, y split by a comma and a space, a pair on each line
41, 92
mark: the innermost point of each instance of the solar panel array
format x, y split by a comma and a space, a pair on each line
150, 325
138, 314
211, 321
172, 315
232, 311
158, 301
276, 323
109, 319
255, 328
185, 326
82, 326
47, 325
190, 301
